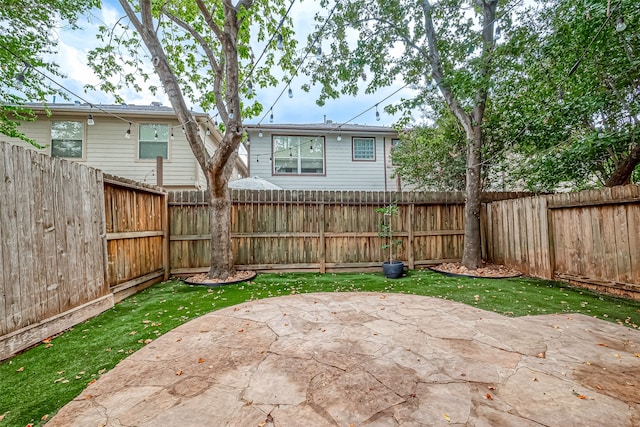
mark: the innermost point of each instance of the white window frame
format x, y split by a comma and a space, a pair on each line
296, 146
82, 141
161, 139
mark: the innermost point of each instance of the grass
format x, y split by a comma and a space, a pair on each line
38, 382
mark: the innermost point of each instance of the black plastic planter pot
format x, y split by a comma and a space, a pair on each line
393, 271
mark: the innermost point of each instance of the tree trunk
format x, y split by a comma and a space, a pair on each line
222, 265
217, 168
622, 174
472, 255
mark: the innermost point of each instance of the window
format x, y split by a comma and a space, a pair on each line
364, 149
395, 143
154, 141
298, 155
67, 139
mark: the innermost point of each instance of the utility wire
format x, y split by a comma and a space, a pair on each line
299, 65
595, 37
61, 86
372, 107
266, 47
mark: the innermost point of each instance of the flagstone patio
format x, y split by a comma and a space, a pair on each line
363, 359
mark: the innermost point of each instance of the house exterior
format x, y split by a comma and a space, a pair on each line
323, 156
124, 140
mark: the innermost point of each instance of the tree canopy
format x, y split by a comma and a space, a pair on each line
450, 46
202, 52
569, 108
27, 41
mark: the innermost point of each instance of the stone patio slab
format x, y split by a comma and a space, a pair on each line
371, 360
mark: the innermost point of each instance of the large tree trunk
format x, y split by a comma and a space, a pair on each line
221, 248
217, 168
472, 123
472, 255
622, 174
222, 265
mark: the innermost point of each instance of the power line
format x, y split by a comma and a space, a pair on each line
299, 65
595, 37
373, 106
266, 47
61, 86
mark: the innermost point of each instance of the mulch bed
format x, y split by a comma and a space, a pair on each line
203, 280
493, 271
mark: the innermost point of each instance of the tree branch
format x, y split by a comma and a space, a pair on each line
144, 27
209, 20
437, 71
219, 76
405, 38
488, 44
245, 3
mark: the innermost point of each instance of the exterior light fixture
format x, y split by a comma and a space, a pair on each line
20, 80
290, 93
620, 24
90, 120
280, 43
377, 114
231, 115
128, 132
339, 138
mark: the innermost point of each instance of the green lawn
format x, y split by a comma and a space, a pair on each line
38, 382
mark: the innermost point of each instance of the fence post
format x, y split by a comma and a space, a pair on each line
551, 248
159, 171
322, 248
411, 260
165, 238
103, 229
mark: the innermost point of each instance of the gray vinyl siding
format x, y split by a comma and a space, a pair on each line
341, 172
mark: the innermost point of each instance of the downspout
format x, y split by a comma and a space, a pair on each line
384, 156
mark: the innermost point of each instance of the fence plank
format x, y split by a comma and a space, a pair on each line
27, 296
587, 237
9, 223
327, 229
48, 244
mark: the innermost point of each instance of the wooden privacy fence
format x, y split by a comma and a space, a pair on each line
591, 238
52, 273
319, 230
73, 241
137, 235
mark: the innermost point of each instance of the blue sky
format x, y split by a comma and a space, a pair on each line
74, 46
